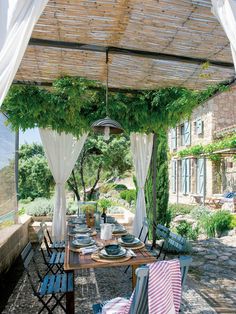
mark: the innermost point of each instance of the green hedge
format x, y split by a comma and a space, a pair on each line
128, 195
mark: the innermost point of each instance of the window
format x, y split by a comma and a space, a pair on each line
200, 176
186, 175
173, 176
199, 126
185, 135
182, 140
173, 139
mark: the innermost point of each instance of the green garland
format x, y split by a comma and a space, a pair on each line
209, 149
74, 103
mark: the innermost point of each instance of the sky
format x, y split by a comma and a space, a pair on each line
29, 136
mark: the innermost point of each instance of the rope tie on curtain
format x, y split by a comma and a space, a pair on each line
141, 187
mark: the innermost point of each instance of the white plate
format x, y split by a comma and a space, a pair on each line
135, 242
121, 253
79, 244
81, 230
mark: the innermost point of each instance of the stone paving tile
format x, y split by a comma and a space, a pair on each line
210, 286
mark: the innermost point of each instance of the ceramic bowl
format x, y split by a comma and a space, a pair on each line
128, 238
83, 239
112, 249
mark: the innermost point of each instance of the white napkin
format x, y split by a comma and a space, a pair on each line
89, 250
131, 253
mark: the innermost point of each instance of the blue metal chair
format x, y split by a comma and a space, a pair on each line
175, 244
55, 259
51, 287
139, 303
54, 245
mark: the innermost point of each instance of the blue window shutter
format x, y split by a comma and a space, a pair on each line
174, 163
187, 135
200, 176
187, 175
173, 139
183, 183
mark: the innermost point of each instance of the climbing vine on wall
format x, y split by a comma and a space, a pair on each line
209, 149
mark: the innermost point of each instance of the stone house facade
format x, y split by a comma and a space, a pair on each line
200, 177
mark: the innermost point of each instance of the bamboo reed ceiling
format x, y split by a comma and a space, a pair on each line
151, 44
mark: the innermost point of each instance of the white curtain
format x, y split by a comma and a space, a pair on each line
225, 11
17, 20
141, 148
62, 151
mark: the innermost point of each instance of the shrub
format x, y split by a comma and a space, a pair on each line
217, 223
233, 222
222, 221
179, 209
40, 207
186, 230
120, 187
128, 195
72, 208
199, 211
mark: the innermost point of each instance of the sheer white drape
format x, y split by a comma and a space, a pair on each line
17, 20
141, 148
62, 151
225, 11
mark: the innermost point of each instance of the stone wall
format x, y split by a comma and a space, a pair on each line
217, 113
224, 109
12, 241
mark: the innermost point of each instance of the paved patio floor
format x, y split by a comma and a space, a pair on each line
210, 286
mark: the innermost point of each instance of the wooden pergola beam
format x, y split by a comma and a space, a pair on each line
126, 51
49, 84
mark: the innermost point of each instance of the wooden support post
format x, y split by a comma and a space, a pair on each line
154, 188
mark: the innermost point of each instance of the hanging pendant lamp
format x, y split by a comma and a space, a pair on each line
107, 126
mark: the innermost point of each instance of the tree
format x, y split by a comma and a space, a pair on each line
35, 178
157, 184
99, 160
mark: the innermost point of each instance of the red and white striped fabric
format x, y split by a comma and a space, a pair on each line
164, 287
117, 306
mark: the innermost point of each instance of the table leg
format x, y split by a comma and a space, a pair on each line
70, 300
134, 267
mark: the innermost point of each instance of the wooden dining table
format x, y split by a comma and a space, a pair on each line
76, 261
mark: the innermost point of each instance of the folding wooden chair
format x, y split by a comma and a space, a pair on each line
51, 287
139, 303
54, 245
55, 259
